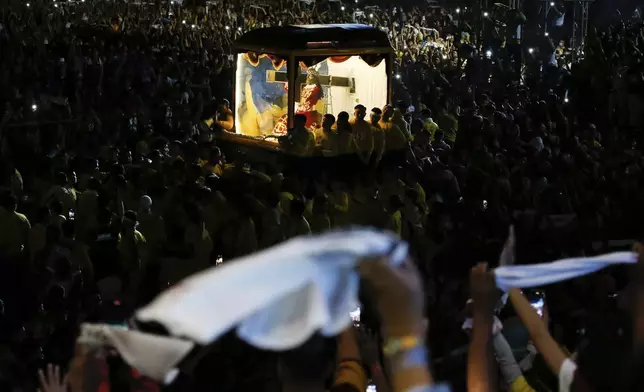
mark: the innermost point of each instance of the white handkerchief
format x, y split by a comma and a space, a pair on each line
276, 298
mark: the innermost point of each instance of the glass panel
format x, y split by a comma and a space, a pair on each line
338, 84
261, 95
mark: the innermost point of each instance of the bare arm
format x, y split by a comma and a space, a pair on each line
546, 345
480, 376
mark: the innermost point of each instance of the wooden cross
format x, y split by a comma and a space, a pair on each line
325, 80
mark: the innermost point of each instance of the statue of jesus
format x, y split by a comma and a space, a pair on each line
311, 93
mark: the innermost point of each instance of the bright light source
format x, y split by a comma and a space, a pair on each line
28, 5
183, 21
566, 100
227, 27
342, 8
193, 26
531, 50
356, 1
547, 34
444, 57
34, 107
458, 10
55, 5
371, 15
488, 53
552, 3
486, 14
397, 76
238, 28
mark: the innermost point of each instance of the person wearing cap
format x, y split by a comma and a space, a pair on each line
362, 134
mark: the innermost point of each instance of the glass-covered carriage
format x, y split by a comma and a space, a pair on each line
311, 70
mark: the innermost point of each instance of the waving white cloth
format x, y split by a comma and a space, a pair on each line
153, 356
277, 298
525, 276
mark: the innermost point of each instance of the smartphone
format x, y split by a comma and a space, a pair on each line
537, 301
538, 305
355, 315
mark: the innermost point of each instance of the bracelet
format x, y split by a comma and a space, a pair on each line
395, 346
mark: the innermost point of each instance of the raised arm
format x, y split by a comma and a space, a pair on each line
546, 345
399, 296
480, 374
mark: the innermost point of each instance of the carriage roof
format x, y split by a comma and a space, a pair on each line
332, 37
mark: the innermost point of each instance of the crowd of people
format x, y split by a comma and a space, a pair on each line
109, 173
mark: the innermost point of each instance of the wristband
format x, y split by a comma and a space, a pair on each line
405, 343
416, 357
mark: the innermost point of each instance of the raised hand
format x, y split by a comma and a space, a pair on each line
51, 381
398, 293
369, 347
483, 288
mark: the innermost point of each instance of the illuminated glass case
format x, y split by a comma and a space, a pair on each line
310, 70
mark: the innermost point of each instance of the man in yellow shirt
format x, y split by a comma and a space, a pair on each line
428, 123
299, 140
448, 124
362, 134
345, 134
325, 138
395, 139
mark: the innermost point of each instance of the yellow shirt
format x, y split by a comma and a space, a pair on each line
363, 143
395, 139
379, 141
431, 127
127, 252
14, 232
395, 223
449, 125
326, 140
520, 385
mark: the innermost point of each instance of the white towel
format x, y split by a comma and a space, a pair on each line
153, 356
525, 276
277, 298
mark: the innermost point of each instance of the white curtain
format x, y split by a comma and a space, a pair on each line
370, 85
